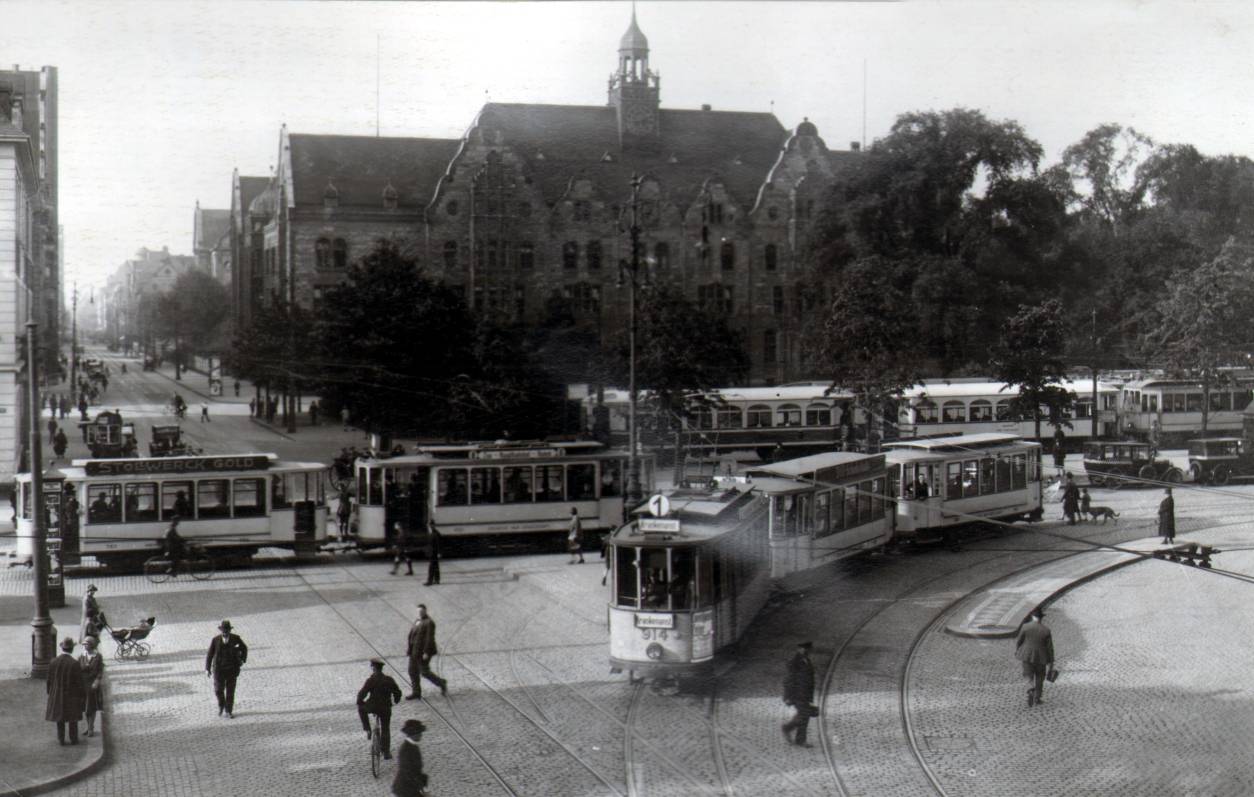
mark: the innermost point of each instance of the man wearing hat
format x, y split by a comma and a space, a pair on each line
93, 674
92, 618
66, 695
420, 647
377, 696
410, 780
227, 653
1034, 646
799, 693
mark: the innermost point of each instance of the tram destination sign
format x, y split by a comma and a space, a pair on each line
159, 465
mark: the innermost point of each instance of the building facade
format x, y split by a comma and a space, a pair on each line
530, 211
128, 319
211, 242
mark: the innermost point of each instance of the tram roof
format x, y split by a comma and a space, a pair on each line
495, 451
804, 465
957, 442
983, 388
703, 513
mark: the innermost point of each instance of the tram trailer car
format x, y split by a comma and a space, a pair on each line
993, 476
516, 489
688, 584
1174, 406
230, 504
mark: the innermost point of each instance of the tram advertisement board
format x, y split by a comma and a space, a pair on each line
158, 465
702, 635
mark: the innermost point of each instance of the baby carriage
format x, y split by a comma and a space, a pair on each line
131, 644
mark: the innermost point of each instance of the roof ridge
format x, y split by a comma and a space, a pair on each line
370, 138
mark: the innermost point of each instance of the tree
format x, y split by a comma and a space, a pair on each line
274, 352
1205, 318
1106, 162
868, 343
393, 345
1029, 357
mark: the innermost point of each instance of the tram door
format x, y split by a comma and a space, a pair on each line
418, 500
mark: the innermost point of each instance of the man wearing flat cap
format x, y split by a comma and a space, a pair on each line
377, 696
799, 693
227, 653
410, 780
66, 693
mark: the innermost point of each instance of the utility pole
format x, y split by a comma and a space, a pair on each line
43, 637
1093, 338
633, 460
74, 341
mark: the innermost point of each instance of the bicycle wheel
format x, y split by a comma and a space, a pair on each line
201, 567
157, 570
376, 748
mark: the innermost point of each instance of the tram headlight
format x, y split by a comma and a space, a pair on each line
654, 651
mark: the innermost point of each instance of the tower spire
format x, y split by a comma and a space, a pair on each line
634, 89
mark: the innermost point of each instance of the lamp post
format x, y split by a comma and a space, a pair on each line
74, 341
633, 461
43, 637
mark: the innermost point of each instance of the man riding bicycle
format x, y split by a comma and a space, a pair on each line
175, 546
373, 699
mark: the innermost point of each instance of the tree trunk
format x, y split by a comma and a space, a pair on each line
1205, 400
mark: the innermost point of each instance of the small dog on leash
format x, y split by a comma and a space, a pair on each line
1103, 512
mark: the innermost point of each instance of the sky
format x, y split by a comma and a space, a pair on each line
160, 101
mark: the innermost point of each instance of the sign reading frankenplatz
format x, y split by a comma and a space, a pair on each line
158, 465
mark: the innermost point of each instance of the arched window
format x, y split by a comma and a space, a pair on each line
771, 257
526, 254
818, 415
727, 255
788, 415
925, 412
758, 416
450, 254
340, 253
953, 412
322, 253
730, 418
662, 254
1002, 410
594, 254
981, 410
570, 255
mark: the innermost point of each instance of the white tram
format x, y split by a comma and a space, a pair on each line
688, 582
994, 476
232, 504
501, 488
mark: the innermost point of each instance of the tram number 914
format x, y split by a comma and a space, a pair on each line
659, 634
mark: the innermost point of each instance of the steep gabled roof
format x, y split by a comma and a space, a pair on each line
210, 226
361, 167
692, 146
249, 188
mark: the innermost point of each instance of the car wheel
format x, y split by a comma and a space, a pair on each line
1174, 475
1196, 474
1220, 475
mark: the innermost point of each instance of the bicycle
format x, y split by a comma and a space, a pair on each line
198, 563
376, 745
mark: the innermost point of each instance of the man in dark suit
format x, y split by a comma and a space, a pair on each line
377, 696
799, 693
420, 648
433, 558
67, 694
410, 780
227, 653
1035, 648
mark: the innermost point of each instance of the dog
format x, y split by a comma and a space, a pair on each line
1103, 512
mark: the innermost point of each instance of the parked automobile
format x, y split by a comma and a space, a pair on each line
1215, 460
1115, 463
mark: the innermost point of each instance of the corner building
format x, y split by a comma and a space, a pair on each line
529, 211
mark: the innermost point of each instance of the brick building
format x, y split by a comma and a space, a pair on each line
528, 212
211, 242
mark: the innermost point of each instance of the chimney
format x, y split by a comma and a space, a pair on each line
855, 146
15, 112
706, 107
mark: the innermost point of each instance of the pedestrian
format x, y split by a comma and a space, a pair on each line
1085, 502
1060, 457
52, 406
59, 443
410, 780
344, 417
252, 407
799, 693
204, 412
433, 555
52, 430
313, 413
605, 555
90, 622
64, 406
236, 388
421, 648
344, 511
574, 539
377, 696
66, 696
227, 654
1167, 518
1035, 648
1070, 500
400, 550
92, 664
82, 412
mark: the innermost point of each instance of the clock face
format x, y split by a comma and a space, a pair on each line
638, 117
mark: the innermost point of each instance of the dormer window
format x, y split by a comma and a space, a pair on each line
330, 196
389, 196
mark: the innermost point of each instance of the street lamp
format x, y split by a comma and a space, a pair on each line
633, 269
74, 342
43, 637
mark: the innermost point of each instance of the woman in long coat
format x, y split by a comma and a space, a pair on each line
90, 622
93, 674
66, 695
1167, 518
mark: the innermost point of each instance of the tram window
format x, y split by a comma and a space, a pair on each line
625, 577
1241, 399
705, 419
954, 412
730, 419
818, 415
864, 502
279, 498
485, 485
988, 482
303, 487
953, 480
1019, 473
518, 485
249, 497
851, 506
104, 503
1195, 402
176, 500
970, 478
363, 478
1002, 410
549, 483
705, 578
758, 417
581, 482
653, 578
837, 510
925, 412
981, 410
212, 499
376, 487
26, 500
682, 583
788, 415
141, 502
877, 499
822, 519
1221, 401
1003, 474
451, 486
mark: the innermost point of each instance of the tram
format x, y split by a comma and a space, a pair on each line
499, 488
693, 567
942, 483
232, 504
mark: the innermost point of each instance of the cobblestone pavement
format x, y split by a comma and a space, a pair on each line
534, 710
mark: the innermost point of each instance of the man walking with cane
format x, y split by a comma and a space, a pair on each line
227, 653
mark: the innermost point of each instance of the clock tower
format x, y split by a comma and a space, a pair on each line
634, 91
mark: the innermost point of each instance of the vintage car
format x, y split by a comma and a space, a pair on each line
1215, 460
167, 441
1116, 463
108, 436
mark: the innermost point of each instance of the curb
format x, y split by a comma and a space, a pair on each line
53, 784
